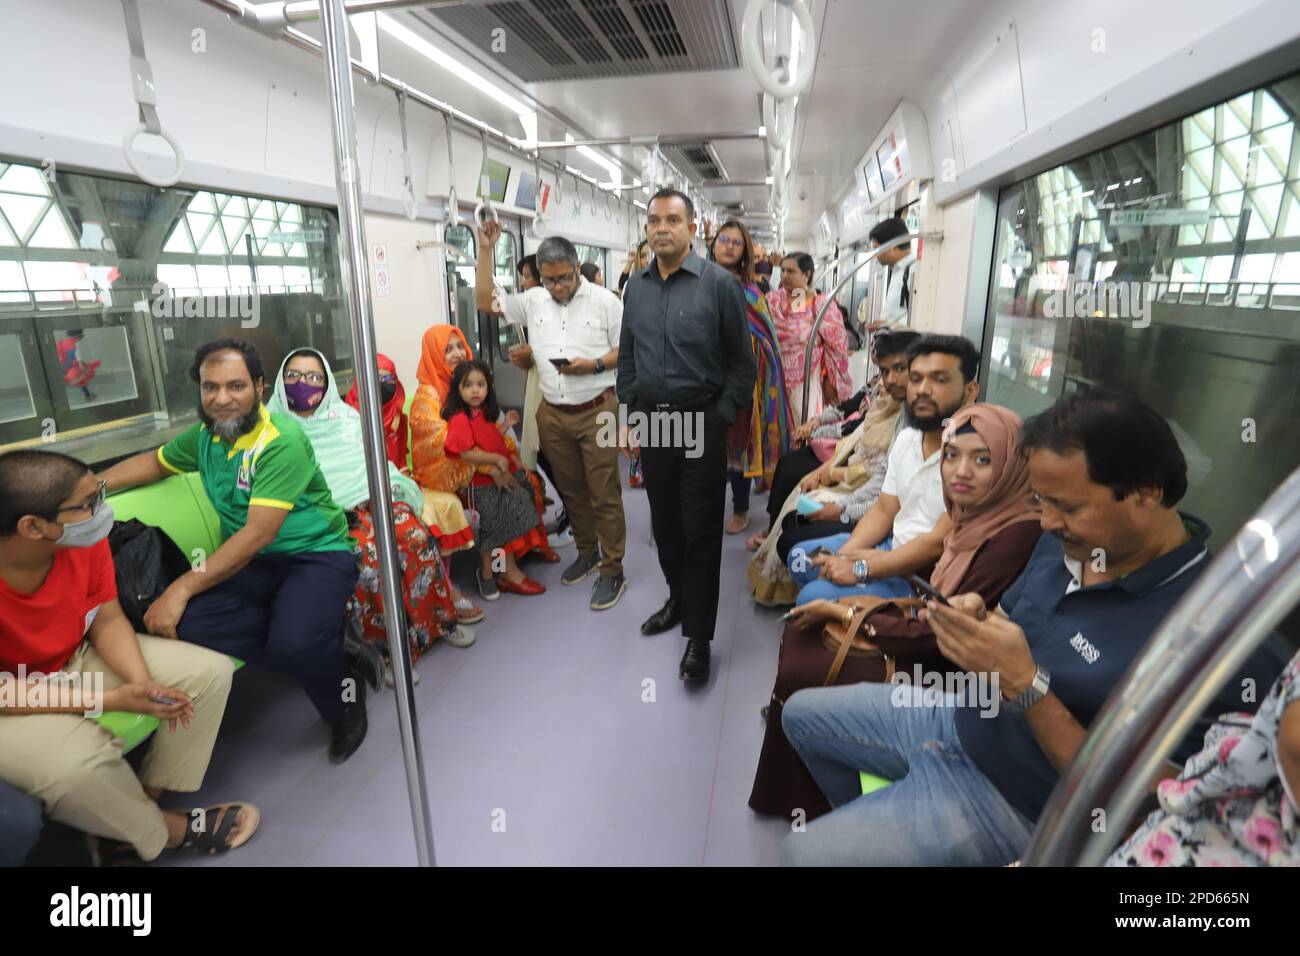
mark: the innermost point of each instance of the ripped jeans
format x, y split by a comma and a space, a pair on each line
941, 811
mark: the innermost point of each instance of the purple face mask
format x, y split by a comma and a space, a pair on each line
302, 396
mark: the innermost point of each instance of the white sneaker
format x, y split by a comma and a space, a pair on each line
461, 636
561, 540
388, 674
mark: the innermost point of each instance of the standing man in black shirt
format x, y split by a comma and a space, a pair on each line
685, 351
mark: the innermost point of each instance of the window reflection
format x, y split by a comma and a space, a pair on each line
1168, 266
84, 347
16, 401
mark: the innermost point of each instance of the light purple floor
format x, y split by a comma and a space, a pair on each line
538, 746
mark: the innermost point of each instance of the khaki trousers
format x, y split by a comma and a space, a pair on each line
76, 768
587, 478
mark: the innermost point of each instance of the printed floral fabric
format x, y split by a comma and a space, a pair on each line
1230, 806
425, 584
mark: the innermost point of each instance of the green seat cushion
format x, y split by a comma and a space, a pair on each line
871, 783
134, 729
179, 506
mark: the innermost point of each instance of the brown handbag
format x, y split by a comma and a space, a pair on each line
845, 641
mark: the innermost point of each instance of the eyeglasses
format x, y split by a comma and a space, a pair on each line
561, 280
313, 378
733, 241
385, 380
94, 503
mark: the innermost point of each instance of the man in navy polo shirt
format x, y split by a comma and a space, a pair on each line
972, 780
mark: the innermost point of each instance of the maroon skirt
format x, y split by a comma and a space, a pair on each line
782, 783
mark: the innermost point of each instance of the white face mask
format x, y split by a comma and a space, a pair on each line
84, 534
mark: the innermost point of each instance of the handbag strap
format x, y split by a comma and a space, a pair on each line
864, 606
842, 652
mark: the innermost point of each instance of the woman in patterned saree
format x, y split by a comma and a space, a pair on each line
793, 307
761, 433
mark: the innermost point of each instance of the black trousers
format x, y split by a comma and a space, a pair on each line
687, 507
790, 470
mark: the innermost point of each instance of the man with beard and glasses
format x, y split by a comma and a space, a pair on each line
1107, 474
903, 531
276, 589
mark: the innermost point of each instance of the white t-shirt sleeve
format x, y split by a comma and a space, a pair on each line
513, 308
890, 484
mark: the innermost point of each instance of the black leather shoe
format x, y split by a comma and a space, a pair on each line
350, 729
668, 616
695, 662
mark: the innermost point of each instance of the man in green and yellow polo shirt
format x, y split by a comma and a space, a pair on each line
276, 589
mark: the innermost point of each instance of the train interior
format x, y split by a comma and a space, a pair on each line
1041, 152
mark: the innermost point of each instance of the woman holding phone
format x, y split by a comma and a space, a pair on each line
994, 530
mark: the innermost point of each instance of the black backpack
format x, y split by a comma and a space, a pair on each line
145, 562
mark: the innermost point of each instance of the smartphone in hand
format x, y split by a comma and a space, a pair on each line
818, 550
927, 589
560, 362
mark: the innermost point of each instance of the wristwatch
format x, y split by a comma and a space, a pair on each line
1032, 694
860, 570
600, 366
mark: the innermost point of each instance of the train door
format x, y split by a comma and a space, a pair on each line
510, 381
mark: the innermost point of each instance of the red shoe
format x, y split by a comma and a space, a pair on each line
547, 555
526, 586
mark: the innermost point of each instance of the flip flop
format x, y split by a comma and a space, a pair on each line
218, 822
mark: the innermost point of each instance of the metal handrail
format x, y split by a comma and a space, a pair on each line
872, 256
1244, 593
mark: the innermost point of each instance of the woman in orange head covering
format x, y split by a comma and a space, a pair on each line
443, 348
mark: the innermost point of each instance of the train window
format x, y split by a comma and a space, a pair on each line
16, 401
505, 257
460, 283
1168, 266
107, 286
597, 255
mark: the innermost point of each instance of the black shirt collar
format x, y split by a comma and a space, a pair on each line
692, 264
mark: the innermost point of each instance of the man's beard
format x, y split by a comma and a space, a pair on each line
231, 428
933, 422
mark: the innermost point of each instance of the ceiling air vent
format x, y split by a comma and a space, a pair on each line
549, 40
696, 160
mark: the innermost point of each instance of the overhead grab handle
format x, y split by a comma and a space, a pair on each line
409, 204
484, 189
751, 44
453, 209
146, 100
539, 226
778, 120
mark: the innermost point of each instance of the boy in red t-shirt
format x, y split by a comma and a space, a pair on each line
59, 613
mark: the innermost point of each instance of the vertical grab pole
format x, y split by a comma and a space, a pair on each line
356, 287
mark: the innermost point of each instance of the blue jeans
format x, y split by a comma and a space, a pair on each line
806, 573
20, 825
942, 811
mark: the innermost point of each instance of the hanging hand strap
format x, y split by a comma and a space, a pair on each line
408, 185
146, 99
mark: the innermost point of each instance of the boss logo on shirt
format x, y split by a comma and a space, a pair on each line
1085, 648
